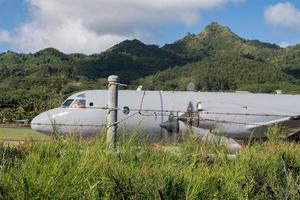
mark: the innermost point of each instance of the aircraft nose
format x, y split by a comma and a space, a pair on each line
42, 123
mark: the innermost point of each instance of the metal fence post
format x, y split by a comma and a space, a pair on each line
112, 114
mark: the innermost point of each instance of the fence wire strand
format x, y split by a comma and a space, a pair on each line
165, 112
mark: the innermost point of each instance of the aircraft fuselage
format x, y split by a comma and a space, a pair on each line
83, 112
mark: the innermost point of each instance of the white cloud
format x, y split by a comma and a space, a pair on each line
91, 26
284, 44
284, 15
68, 36
288, 44
4, 36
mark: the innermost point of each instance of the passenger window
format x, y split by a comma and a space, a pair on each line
67, 103
78, 103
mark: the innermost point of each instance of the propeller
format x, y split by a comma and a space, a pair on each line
171, 125
188, 116
184, 123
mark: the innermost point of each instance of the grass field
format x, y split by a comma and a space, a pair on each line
20, 134
70, 168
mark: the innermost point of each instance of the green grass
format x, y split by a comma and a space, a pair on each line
20, 134
86, 169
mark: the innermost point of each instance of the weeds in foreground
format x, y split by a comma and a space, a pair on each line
72, 168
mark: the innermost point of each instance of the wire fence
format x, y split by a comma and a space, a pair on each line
194, 112
197, 116
195, 120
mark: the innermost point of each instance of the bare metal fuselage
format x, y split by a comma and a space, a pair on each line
148, 109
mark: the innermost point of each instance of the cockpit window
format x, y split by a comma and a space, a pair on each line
78, 103
67, 103
81, 95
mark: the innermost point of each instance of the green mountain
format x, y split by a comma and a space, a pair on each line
130, 60
219, 60
217, 39
215, 60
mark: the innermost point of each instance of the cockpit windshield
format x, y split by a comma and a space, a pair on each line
74, 103
78, 103
67, 103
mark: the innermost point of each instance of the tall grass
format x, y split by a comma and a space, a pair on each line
72, 168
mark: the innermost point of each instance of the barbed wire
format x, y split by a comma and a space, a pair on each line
199, 119
165, 112
247, 114
62, 124
233, 122
196, 112
125, 119
157, 112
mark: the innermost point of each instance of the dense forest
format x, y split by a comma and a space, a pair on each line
214, 60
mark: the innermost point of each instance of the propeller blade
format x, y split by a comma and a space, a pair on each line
171, 125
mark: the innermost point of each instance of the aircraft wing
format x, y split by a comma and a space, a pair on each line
207, 136
291, 123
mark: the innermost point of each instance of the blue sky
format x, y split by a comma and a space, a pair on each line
12, 14
245, 19
81, 26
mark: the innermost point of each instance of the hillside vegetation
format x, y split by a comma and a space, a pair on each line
215, 60
219, 60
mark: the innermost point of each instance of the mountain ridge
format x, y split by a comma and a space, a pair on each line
216, 59
213, 25
140, 59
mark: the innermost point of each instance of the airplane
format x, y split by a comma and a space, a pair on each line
237, 115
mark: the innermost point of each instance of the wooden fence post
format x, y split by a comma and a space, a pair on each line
112, 115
